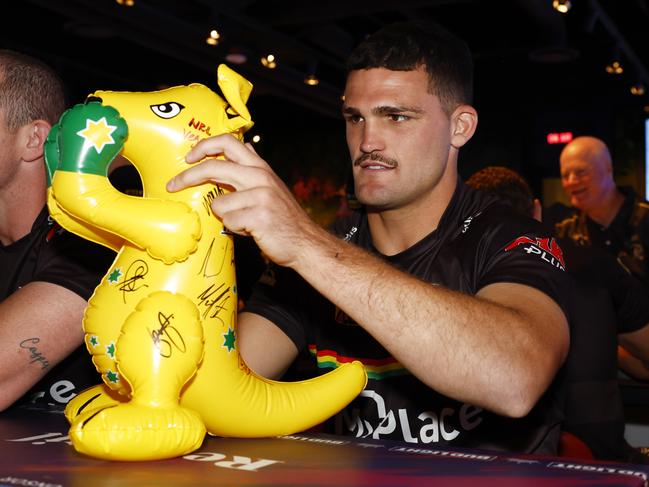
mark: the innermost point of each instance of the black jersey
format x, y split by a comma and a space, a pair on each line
478, 242
626, 237
50, 254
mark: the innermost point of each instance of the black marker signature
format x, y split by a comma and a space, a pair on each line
214, 303
167, 337
135, 272
209, 197
208, 254
36, 356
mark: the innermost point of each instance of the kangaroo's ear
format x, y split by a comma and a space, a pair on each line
236, 90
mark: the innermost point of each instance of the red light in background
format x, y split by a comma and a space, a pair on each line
565, 137
559, 137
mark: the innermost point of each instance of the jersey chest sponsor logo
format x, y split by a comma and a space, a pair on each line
546, 248
415, 427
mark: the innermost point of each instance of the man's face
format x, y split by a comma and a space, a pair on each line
583, 179
398, 136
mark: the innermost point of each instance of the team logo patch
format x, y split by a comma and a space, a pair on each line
348, 236
55, 229
546, 248
467, 222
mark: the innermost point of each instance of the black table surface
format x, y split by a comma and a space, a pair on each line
35, 451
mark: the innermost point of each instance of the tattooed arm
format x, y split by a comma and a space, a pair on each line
39, 327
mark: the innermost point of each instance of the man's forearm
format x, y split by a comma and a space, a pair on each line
39, 326
473, 349
631, 365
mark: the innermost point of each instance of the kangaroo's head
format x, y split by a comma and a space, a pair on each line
164, 125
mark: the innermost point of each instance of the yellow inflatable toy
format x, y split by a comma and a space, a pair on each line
161, 326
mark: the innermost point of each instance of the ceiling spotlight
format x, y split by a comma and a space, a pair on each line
561, 6
614, 68
637, 89
255, 139
311, 80
126, 3
213, 38
269, 61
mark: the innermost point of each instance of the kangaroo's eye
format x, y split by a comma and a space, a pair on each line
167, 110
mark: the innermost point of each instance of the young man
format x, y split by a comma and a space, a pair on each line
602, 214
457, 319
47, 274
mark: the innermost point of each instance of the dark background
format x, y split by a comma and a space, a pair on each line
537, 71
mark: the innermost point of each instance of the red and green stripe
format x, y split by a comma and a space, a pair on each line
377, 369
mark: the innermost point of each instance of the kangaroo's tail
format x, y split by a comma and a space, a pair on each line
236, 402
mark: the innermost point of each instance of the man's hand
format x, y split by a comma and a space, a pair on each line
261, 205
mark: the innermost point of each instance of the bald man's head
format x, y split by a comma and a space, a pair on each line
587, 172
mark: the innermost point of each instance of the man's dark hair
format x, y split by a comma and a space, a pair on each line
29, 90
406, 46
507, 185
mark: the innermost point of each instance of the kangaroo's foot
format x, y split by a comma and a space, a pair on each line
157, 352
131, 432
95, 397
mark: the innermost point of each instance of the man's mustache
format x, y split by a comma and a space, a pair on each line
375, 156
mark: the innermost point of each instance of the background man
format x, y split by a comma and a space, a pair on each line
603, 214
46, 273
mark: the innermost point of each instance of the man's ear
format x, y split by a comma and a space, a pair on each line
464, 121
33, 136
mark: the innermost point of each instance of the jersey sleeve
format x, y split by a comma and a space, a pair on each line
519, 250
280, 296
72, 262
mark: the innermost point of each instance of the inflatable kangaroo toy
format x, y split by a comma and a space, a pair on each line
161, 325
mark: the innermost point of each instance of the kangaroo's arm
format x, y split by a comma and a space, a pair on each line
82, 228
167, 230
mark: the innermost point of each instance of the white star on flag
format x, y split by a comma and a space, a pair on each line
97, 134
